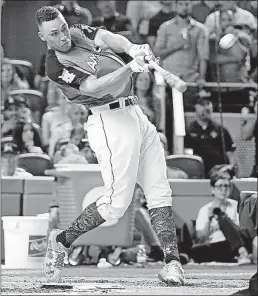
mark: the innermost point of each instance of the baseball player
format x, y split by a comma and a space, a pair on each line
81, 60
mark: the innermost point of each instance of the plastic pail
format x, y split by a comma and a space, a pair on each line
25, 241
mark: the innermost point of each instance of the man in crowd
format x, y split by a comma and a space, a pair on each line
202, 9
113, 21
204, 136
165, 14
182, 44
9, 153
217, 226
183, 47
140, 13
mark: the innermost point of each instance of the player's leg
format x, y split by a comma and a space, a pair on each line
113, 136
152, 178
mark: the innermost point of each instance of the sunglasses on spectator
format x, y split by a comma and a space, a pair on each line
222, 186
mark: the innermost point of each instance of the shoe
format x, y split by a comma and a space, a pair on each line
184, 258
55, 257
172, 274
244, 259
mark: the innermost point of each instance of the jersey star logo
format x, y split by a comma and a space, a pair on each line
67, 76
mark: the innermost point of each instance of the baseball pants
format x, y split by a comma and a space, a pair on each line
129, 151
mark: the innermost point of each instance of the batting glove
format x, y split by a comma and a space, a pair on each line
140, 50
138, 65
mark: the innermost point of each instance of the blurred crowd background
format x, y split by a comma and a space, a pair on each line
200, 41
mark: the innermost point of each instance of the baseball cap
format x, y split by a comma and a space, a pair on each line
10, 101
8, 147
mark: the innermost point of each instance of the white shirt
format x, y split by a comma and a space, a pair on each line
216, 235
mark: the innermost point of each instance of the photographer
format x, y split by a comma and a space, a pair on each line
217, 226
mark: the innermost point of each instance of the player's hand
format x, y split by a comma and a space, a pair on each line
140, 50
138, 65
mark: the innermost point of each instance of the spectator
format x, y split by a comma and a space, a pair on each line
217, 226
69, 154
249, 6
253, 58
166, 13
69, 117
140, 12
114, 22
182, 44
232, 53
10, 80
204, 136
86, 151
143, 89
77, 134
74, 13
27, 138
202, 9
232, 172
249, 131
9, 152
55, 115
10, 116
239, 16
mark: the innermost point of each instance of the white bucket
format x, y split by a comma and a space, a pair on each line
25, 241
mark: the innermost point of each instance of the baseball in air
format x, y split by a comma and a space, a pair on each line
227, 41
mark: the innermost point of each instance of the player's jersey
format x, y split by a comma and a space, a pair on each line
84, 59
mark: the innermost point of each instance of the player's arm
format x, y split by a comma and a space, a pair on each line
107, 84
119, 43
73, 80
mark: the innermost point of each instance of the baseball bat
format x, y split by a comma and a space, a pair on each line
172, 80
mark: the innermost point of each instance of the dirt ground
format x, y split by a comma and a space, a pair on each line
89, 280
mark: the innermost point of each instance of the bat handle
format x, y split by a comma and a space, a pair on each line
158, 68
180, 85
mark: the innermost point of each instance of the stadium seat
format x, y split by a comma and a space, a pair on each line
7, 140
26, 68
192, 165
34, 163
35, 101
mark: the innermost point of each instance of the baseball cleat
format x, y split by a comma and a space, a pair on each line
172, 274
55, 257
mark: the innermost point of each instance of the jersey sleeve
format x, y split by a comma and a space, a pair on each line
65, 76
88, 31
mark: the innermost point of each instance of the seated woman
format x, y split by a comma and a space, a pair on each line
10, 80
217, 226
143, 89
27, 138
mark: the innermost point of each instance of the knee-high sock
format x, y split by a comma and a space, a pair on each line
88, 220
163, 224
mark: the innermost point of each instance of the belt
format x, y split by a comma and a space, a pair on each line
120, 103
